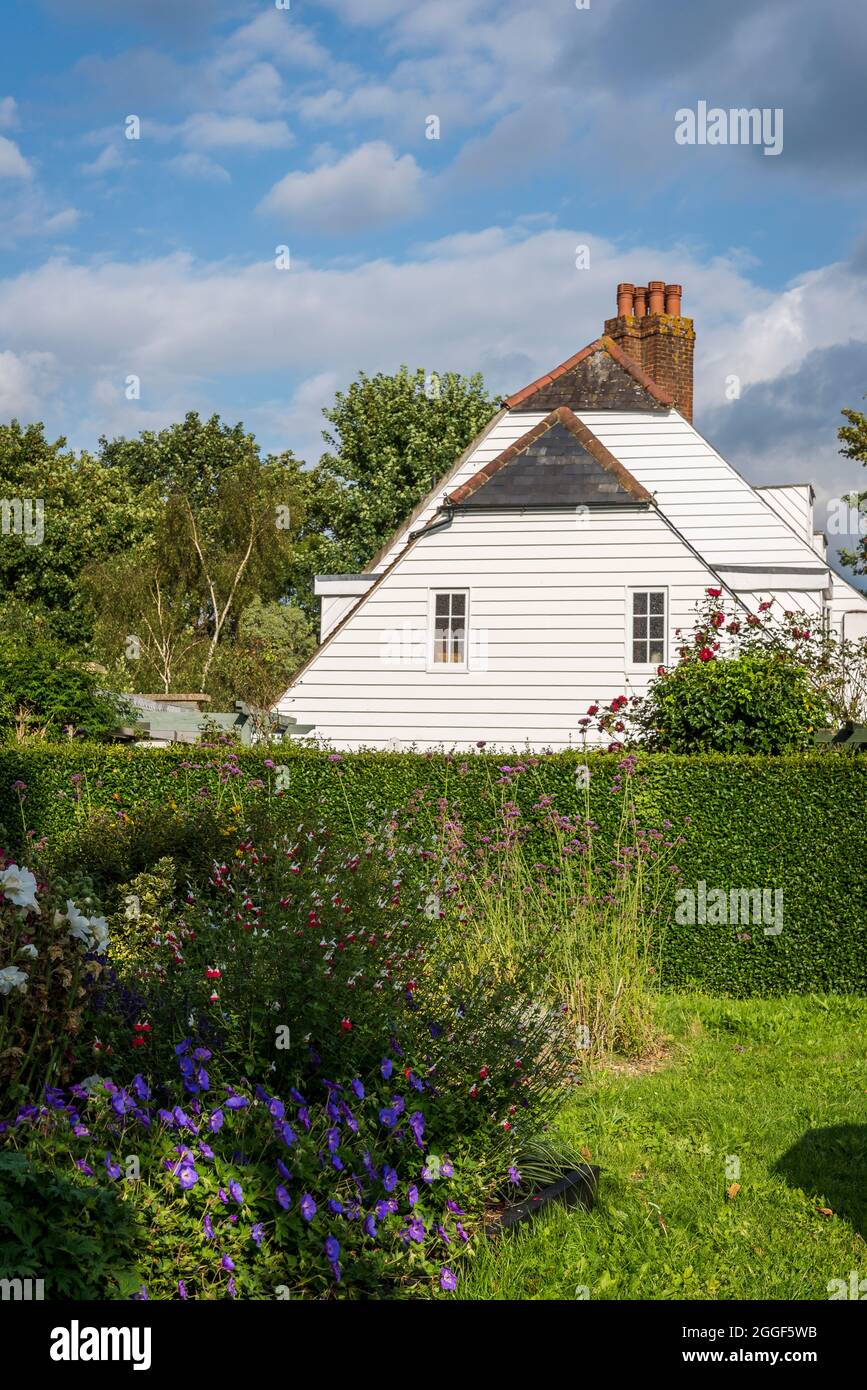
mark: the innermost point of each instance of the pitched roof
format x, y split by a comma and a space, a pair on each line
599, 377
557, 463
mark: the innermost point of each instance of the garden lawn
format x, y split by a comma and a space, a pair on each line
779, 1084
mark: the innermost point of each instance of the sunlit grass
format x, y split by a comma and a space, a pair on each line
778, 1087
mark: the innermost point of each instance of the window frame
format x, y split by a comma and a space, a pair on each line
433, 595
631, 615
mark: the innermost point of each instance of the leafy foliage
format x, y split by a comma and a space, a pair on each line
44, 690
391, 439
757, 702
78, 1237
794, 821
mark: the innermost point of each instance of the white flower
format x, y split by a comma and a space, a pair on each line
29, 950
76, 919
92, 932
99, 935
12, 978
19, 886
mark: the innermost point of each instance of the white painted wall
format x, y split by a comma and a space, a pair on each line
549, 595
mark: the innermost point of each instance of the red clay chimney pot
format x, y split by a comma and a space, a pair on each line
640, 300
656, 291
625, 300
672, 299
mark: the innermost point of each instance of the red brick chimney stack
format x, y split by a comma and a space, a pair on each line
650, 327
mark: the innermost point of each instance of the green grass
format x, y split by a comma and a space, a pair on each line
780, 1084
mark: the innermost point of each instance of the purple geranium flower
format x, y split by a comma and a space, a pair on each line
308, 1207
415, 1230
227, 1263
389, 1178
215, 1123
257, 1232
187, 1176
182, 1289
387, 1067
112, 1168
448, 1282
208, 1227
287, 1133
282, 1197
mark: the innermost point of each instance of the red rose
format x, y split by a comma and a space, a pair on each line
713, 593
593, 709
705, 654
660, 670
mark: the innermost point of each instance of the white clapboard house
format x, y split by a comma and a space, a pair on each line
551, 566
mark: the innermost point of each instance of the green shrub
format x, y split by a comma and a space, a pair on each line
758, 702
795, 821
80, 1239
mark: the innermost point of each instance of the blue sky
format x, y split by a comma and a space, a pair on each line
308, 127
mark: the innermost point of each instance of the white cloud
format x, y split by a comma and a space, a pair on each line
366, 188
213, 131
109, 159
63, 221
13, 165
24, 381
8, 113
199, 166
276, 35
258, 91
506, 301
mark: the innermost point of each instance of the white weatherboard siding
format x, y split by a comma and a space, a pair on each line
711, 505
549, 596
793, 503
847, 601
714, 508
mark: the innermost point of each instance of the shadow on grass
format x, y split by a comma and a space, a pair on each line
832, 1163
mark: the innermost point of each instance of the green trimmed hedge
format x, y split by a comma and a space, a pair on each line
796, 823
